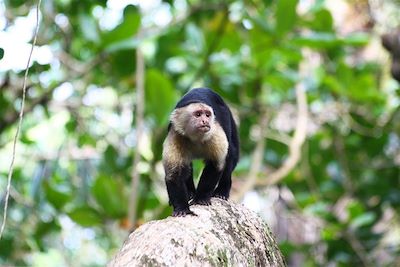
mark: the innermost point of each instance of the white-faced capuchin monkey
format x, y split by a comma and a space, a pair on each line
201, 127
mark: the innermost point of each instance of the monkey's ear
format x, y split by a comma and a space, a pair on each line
175, 114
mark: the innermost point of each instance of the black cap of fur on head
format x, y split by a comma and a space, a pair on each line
200, 95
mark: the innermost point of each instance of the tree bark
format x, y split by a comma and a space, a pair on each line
222, 234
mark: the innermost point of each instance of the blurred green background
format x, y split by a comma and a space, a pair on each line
324, 173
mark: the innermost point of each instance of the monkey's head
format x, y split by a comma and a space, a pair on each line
195, 121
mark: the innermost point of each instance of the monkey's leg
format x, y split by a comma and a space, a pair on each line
190, 184
225, 183
177, 191
208, 180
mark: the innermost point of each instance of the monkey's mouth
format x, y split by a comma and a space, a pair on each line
204, 128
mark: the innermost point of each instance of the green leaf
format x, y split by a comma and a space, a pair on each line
1, 53
16, 3
126, 44
152, 202
26, 140
85, 216
318, 40
363, 219
261, 25
89, 28
127, 29
359, 85
364, 89
320, 209
285, 15
8, 244
356, 39
109, 194
55, 197
195, 38
330, 232
123, 63
86, 139
279, 80
71, 125
322, 21
267, 2
355, 208
329, 40
231, 39
111, 157
44, 228
160, 95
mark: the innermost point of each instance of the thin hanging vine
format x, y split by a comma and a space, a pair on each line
21, 115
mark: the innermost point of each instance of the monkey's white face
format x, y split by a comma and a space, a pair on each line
200, 120
195, 121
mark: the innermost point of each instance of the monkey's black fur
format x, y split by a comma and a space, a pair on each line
213, 182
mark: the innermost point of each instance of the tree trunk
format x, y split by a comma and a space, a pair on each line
223, 234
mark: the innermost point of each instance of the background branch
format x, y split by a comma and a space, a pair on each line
140, 72
256, 160
300, 133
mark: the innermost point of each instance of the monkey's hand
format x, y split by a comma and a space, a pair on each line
183, 213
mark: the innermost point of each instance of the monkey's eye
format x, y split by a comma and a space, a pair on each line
197, 113
208, 114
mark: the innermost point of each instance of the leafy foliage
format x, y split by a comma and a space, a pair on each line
72, 181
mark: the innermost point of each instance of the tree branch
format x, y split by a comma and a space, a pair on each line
256, 160
358, 248
296, 142
140, 72
300, 133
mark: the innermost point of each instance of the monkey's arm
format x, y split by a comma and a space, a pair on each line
175, 179
208, 180
225, 182
190, 184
